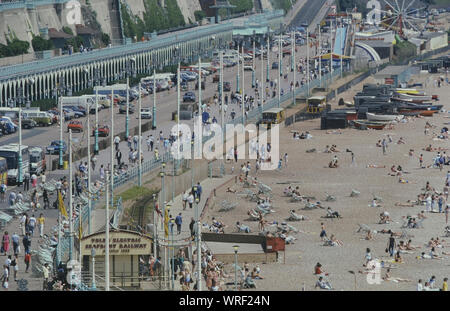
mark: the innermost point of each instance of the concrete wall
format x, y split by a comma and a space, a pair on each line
188, 7
23, 23
439, 42
249, 258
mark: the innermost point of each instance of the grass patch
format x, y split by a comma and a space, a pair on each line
135, 193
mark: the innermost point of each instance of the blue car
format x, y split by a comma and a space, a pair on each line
53, 148
189, 97
8, 126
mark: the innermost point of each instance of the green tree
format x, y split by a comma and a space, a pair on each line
242, 5
67, 30
199, 15
40, 44
106, 39
18, 47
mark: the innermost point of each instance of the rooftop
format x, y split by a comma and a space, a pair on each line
393, 70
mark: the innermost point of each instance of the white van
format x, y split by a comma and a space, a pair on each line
42, 118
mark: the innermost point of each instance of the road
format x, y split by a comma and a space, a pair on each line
308, 12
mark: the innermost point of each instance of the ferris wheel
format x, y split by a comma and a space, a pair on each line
404, 17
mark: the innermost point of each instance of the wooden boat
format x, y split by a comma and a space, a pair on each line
412, 112
382, 117
414, 98
370, 124
436, 108
407, 91
427, 113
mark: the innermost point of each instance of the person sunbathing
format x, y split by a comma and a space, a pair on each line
398, 258
408, 204
400, 141
409, 247
369, 236
332, 214
334, 148
288, 191
388, 277
327, 149
389, 231
335, 241
384, 218
318, 270
231, 190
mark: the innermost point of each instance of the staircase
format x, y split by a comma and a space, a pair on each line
257, 5
116, 22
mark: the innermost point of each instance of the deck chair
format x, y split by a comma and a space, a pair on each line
253, 215
243, 228
363, 228
355, 193
296, 198
330, 198
295, 217
310, 206
227, 206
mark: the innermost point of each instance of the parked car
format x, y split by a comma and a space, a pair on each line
216, 78
10, 127
69, 114
55, 115
275, 65
248, 68
227, 87
146, 113
28, 123
203, 85
54, 147
79, 111
189, 97
75, 126
38, 164
123, 109
42, 118
103, 131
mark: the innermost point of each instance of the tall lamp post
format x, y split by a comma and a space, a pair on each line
253, 59
238, 86
58, 92
268, 56
97, 79
172, 223
130, 72
93, 286
154, 101
199, 243
236, 248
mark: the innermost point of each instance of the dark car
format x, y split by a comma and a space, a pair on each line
28, 123
123, 109
189, 97
275, 65
227, 86
53, 148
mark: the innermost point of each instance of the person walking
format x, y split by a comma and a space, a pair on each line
26, 241
5, 243
199, 192
46, 200
116, 142
5, 277
16, 243
34, 181
22, 223
41, 222
45, 272
384, 145
391, 245
190, 199
119, 157
15, 266
102, 172
31, 224
26, 181
27, 260
191, 226
178, 222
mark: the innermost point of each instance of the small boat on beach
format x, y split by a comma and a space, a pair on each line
382, 117
376, 125
418, 99
427, 113
416, 112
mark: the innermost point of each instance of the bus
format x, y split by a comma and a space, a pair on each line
11, 154
316, 104
12, 113
3, 171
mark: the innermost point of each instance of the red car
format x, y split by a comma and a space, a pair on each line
103, 131
75, 126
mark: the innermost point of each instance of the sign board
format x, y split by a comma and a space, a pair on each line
389, 81
121, 243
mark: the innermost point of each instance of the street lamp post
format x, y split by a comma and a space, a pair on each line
268, 56
172, 223
154, 101
107, 231
60, 88
280, 65
155, 227
238, 86
199, 243
139, 138
235, 247
130, 71
70, 199
167, 270
93, 287
253, 61
243, 87
320, 57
